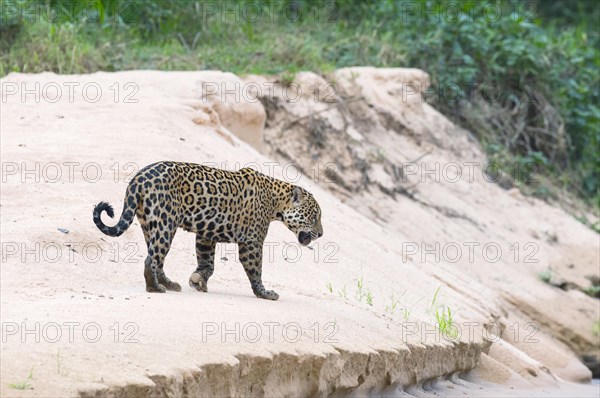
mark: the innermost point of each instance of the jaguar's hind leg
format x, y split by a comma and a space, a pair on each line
150, 275
159, 243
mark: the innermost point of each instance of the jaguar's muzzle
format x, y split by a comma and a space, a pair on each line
304, 238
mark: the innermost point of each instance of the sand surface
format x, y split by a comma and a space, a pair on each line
355, 314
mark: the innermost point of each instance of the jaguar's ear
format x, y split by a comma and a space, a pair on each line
297, 196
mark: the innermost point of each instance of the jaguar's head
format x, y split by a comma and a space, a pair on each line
302, 216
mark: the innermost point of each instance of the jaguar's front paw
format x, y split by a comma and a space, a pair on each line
268, 295
197, 282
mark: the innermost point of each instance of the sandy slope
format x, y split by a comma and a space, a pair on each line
59, 290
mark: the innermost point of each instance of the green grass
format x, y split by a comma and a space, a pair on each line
443, 316
445, 322
434, 305
406, 313
287, 78
391, 307
81, 48
369, 297
360, 293
329, 287
25, 384
359, 290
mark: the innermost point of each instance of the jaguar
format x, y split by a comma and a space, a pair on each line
218, 206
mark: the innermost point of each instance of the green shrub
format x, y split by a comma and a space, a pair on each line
518, 84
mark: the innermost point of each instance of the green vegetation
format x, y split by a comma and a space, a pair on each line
406, 309
594, 226
545, 276
329, 287
359, 289
369, 297
390, 308
287, 79
593, 291
359, 294
522, 76
24, 385
443, 316
445, 323
406, 313
525, 82
596, 328
434, 305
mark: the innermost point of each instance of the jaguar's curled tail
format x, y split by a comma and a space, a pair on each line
129, 208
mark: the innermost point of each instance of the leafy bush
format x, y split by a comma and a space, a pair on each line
531, 89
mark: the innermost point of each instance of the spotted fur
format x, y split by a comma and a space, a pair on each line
216, 205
